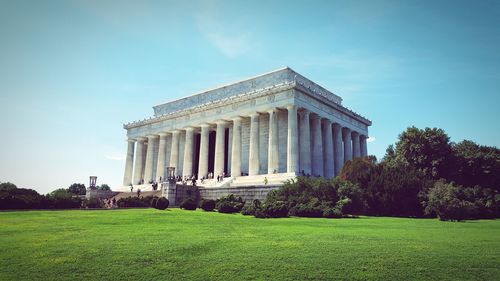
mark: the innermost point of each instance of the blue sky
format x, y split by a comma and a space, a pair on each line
71, 72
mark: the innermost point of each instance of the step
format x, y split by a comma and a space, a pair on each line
272, 179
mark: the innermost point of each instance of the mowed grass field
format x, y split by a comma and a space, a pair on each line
147, 244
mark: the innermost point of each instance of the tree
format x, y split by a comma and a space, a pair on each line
444, 200
61, 193
19, 198
104, 187
62, 199
77, 189
359, 170
396, 189
4, 186
428, 150
476, 165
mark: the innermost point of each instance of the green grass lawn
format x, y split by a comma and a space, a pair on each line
147, 244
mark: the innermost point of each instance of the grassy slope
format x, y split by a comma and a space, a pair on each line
146, 244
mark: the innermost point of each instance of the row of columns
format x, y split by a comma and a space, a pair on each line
320, 152
325, 145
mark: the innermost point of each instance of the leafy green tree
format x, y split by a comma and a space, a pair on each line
396, 189
61, 193
4, 186
19, 198
104, 187
77, 189
428, 150
359, 170
444, 200
476, 165
62, 199
350, 197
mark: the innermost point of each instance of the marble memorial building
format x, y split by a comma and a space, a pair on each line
275, 125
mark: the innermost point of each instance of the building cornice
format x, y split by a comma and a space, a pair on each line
297, 83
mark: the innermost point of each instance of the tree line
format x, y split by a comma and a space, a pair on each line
424, 174
12, 197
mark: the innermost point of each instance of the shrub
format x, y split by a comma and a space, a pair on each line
153, 202
207, 205
316, 198
229, 204
277, 209
249, 210
444, 200
188, 204
343, 205
332, 213
134, 202
162, 203
309, 210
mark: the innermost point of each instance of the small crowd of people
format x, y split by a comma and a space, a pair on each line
110, 203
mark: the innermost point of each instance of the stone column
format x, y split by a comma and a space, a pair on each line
203, 163
229, 149
273, 150
292, 165
328, 149
356, 149
174, 151
346, 136
338, 149
219, 148
187, 170
305, 142
253, 153
139, 168
162, 151
236, 148
129, 164
317, 147
148, 170
364, 150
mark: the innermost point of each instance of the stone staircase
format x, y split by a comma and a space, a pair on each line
259, 180
142, 187
134, 194
226, 182
242, 181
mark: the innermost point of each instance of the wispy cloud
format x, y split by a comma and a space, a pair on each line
363, 65
371, 139
354, 71
115, 157
232, 40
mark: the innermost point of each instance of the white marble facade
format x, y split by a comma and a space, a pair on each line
278, 122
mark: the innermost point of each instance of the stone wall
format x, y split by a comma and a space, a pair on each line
99, 194
186, 191
248, 194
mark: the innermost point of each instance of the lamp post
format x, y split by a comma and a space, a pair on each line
169, 188
92, 191
93, 180
171, 173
